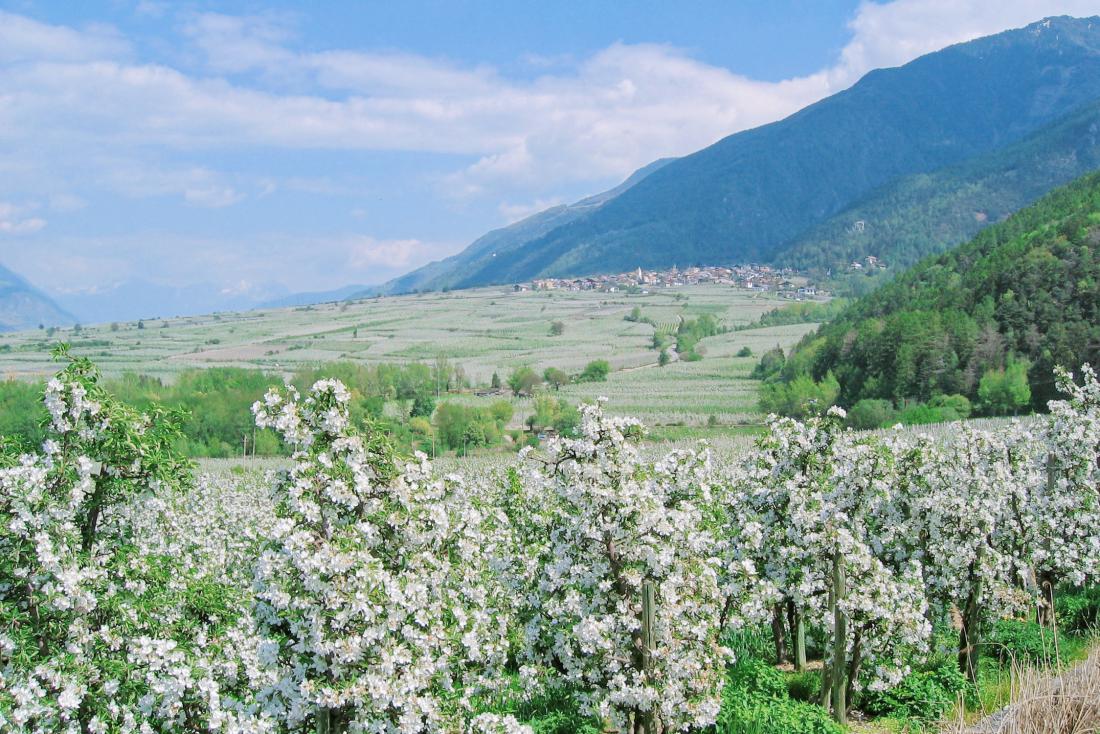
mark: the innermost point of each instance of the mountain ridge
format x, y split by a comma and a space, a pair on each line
957, 201
747, 196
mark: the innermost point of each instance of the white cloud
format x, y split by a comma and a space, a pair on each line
214, 197
295, 262
598, 119
14, 219
366, 253
22, 226
23, 39
895, 33
234, 44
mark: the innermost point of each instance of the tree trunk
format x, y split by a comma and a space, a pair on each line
970, 634
854, 664
826, 686
779, 634
798, 635
91, 520
1045, 612
826, 668
1046, 579
840, 638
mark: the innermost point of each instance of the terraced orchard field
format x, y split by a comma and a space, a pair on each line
485, 330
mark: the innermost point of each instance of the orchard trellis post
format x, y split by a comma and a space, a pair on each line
651, 725
324, 720
840, 643
797, 623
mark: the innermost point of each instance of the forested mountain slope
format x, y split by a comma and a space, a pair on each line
449, 272
1023, 294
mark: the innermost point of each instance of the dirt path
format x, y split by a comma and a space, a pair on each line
673, 357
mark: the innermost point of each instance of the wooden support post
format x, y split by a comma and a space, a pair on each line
840, 643
826, 669
650, 720
799, 640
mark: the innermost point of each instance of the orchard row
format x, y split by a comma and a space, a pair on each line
361, 592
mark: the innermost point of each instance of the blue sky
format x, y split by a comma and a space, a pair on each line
256, 148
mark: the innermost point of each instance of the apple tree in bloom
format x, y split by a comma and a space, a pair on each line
98, 633
1064, 508
372, 596
603, 530
828, 508
974, 562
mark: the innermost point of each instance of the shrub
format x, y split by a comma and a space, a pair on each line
804, 686
523, 381
750, 642
920, 413
555, 377
1078, 611
1013, 639
800, 398
744, 352
755, 676
1005, 391
756, 715
770, 364
958, 403
755, 701
595, 371
423, 406
924, 695
870, 413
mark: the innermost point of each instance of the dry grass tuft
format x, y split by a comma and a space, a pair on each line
1041, 704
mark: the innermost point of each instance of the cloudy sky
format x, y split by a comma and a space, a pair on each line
264, 146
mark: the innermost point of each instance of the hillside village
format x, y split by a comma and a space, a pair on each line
785, 282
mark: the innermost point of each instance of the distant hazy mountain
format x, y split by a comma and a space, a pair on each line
752, 195
24, 307
139, 299
307, 299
